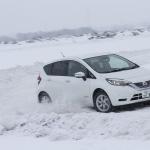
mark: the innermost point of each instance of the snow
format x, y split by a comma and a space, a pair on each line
16, 143
130, 125
28, 54
25, 124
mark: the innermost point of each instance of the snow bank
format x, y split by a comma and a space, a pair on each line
133, 125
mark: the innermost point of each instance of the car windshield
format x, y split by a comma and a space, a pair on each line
110, 63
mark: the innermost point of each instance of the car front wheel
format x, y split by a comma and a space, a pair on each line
102, 102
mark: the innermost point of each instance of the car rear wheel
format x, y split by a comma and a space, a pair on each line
44, 98
102, 102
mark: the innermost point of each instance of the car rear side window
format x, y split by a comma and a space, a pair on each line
48, 69
59, 68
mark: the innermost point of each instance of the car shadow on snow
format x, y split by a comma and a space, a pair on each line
130, 107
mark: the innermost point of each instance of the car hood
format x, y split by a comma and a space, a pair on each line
134, 75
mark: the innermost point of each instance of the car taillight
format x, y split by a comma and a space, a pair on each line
39, 79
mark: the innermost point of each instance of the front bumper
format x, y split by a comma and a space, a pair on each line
128, 95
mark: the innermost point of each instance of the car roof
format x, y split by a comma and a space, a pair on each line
89, 55
81, 57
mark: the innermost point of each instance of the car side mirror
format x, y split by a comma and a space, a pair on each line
80, 75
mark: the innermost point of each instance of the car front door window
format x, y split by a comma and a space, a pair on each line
75, 67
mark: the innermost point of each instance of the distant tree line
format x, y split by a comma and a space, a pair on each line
67, 33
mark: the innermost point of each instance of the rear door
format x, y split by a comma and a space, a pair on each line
56, 81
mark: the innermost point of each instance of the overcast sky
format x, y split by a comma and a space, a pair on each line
46, 15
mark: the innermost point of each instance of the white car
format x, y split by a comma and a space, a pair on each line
106, 81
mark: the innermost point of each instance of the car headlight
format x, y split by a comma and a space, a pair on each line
118, 82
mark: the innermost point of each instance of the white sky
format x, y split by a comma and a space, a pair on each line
34, 15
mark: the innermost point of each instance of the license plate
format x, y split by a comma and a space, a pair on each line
146, 94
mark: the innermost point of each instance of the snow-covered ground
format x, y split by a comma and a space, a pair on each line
66, 125
17, 143
27, 54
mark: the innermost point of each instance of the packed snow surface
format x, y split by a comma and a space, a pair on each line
21, 115
16, 143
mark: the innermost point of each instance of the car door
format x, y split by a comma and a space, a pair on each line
56, 81
78, 89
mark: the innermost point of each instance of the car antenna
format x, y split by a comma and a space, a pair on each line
62, 54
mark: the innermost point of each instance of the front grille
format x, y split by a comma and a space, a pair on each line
137, 97
145, 84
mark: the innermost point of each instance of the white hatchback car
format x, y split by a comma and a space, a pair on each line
105, 80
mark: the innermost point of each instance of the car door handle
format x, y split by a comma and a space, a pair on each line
67, 81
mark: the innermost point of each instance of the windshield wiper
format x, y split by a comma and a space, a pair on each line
122, 69
116, 70
134, 67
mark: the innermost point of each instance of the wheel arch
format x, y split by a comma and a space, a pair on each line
40, 93
97, 90
101, 90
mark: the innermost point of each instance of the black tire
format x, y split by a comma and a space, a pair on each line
105, 105
44, 98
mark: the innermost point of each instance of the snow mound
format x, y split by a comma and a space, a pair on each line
77, 126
